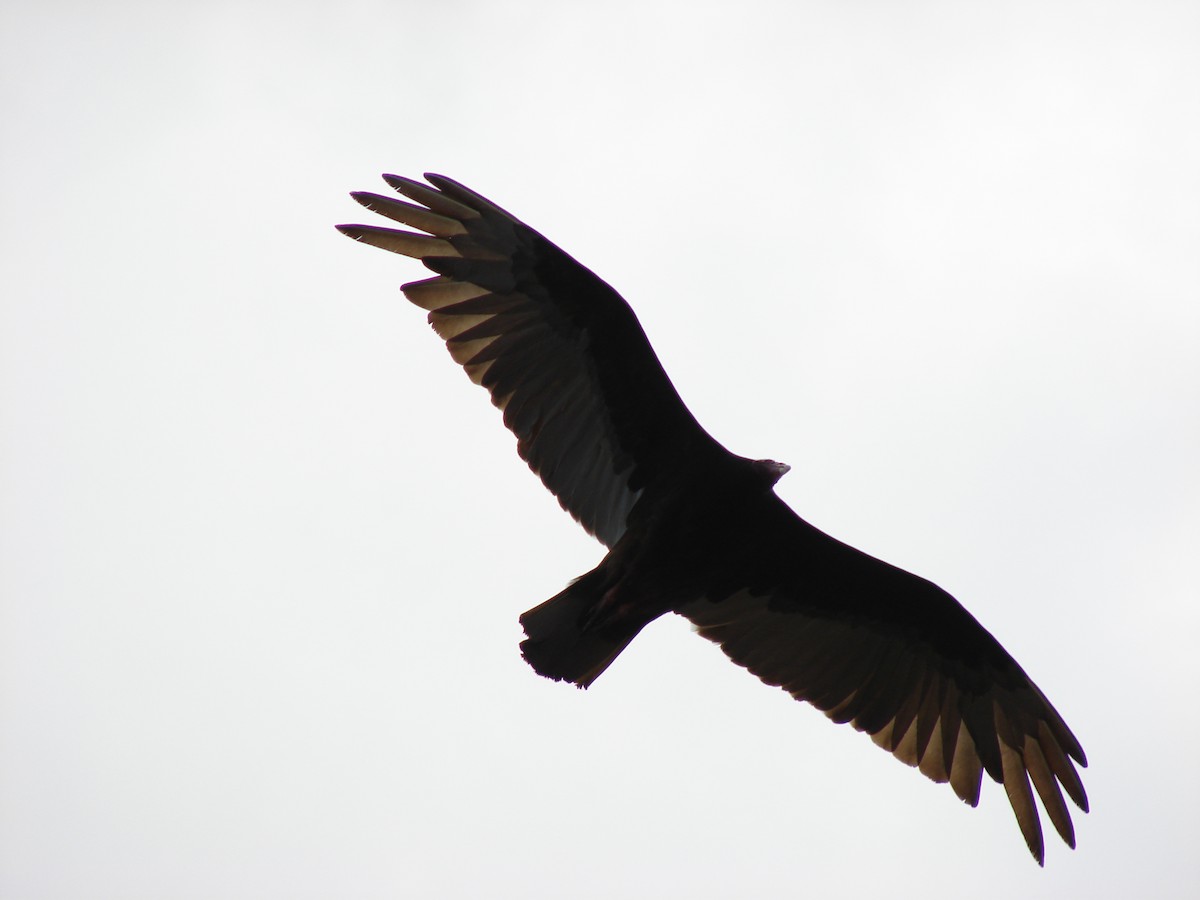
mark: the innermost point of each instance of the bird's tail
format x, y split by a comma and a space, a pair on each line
567, 640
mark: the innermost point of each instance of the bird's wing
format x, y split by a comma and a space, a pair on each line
560, 351
898, 658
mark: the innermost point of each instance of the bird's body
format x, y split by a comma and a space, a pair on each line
696, 530
708, 518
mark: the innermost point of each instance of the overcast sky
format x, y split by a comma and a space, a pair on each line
263, 546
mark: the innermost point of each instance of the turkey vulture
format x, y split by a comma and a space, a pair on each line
696, 530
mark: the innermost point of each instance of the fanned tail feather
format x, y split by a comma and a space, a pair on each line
565, 642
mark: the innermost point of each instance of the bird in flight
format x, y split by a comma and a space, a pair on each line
696, 530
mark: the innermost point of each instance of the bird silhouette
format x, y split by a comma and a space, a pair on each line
695, 530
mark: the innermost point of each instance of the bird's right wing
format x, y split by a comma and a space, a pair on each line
560, 352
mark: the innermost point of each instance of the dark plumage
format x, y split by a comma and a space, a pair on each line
695, 530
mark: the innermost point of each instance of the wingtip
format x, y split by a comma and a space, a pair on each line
1038, 851
395, 181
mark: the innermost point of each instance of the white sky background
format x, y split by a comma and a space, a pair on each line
263, 547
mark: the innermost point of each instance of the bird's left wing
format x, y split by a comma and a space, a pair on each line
900, 659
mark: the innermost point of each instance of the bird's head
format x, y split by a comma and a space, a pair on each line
770, 470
